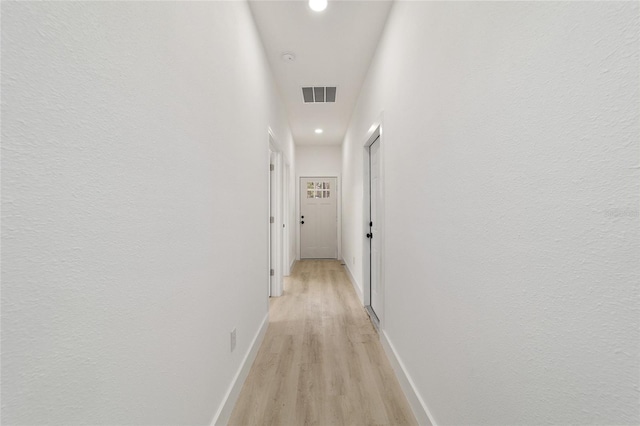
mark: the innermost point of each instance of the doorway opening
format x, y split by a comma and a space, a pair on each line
373, 242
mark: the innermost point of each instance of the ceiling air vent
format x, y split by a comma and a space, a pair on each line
318, 94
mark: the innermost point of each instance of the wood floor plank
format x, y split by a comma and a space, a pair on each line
321, 361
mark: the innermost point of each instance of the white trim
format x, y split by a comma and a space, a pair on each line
226, 407
293, 263
354, 283
418, 406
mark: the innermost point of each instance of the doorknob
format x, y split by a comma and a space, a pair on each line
302, 222
370, 235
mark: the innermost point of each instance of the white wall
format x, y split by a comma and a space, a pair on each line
289, 195
134, 192
510, 138
318, 160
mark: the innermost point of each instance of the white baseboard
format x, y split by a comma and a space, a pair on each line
418, 406
353, 282
226, 407
293, 262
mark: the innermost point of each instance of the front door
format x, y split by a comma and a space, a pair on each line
318, 218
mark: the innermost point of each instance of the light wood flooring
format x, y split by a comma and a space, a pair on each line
321, 362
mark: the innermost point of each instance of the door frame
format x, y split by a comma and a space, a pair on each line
375, 132
275, 248
286, 220
338, 213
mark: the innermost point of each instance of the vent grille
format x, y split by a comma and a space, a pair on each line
314, 94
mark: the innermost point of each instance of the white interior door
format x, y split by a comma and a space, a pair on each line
374, 227
318, 218
276, 221
272, 225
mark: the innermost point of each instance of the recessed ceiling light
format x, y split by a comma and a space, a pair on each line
318, 131
318, 5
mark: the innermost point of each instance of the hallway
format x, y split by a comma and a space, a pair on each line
321, 361
149, 149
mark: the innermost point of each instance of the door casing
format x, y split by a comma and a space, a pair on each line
374, 134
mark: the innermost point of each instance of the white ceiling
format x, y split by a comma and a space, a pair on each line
332, 48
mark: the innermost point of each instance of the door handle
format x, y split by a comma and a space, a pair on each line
370, 235
302, 222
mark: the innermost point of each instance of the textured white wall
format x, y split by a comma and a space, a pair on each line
134, 206
511, 144
317, 160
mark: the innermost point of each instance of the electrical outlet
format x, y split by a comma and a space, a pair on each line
233, 340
